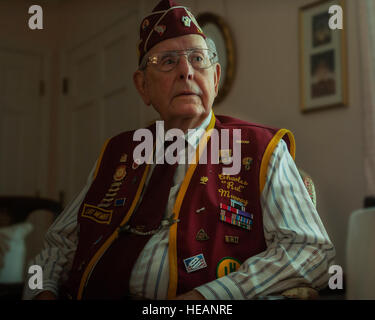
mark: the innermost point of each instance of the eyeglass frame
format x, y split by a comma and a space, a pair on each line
147, 59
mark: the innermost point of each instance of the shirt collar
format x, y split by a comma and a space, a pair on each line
193, 135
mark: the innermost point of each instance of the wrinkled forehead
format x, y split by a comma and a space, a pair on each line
179, 43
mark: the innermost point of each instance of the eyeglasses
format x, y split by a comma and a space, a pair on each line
168, 60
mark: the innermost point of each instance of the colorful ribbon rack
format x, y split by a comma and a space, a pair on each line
236, 217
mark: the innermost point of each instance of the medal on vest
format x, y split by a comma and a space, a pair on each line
237, 205
195, 263
118, 178
200, 210
120, 202
232, 239
120, 173
202, 235
247, 163
124, 158
110, 195
204, 180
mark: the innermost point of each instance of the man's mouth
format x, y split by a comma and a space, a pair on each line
186, 93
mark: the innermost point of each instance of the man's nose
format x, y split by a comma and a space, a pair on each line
185, 69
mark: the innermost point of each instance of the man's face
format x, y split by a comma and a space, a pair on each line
183, 92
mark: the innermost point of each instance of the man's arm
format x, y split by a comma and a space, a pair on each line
299, 250
60, 244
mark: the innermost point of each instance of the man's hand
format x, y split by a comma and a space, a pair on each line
46, 295
191, 295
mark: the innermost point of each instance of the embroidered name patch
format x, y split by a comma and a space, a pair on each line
97, 214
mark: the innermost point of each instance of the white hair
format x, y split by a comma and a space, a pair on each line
211, 45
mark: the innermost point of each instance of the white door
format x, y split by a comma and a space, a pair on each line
23, 136
100, 101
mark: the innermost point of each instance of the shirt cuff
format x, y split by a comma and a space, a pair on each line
221, 289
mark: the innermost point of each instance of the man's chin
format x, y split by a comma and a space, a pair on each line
189, 108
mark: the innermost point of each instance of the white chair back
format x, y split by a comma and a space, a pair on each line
360, 255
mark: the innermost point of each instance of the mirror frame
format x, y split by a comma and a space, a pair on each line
209, 18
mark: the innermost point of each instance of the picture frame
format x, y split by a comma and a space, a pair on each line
323, 58
218, 30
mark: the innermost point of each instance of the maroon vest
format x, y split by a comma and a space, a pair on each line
212, 237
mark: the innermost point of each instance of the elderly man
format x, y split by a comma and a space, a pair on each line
177, 231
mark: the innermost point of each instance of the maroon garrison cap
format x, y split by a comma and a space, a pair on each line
167, 20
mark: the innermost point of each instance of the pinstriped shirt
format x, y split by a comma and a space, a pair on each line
299, 251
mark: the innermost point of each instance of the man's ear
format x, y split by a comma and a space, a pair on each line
139, 79
217, 77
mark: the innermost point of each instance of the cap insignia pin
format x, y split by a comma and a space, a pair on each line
145, 24
186, 21
160, 29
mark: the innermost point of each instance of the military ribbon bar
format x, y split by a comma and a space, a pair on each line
235, 210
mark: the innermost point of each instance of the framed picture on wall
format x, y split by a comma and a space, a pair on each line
323, 62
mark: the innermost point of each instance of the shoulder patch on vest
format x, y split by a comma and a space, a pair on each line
226, 266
